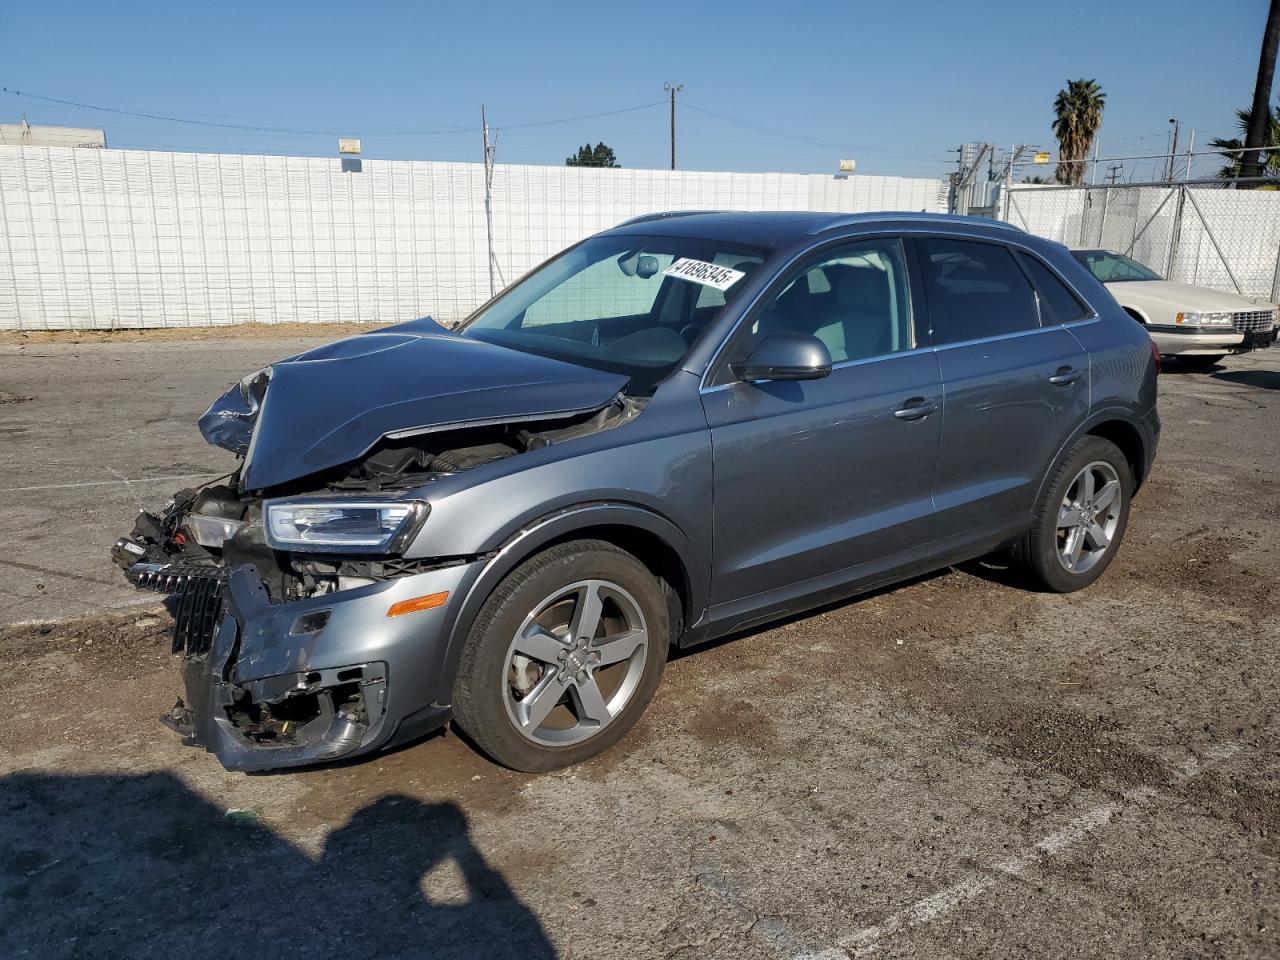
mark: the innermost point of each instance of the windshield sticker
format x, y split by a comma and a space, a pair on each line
707, 274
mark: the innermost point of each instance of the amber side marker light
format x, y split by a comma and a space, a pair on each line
429, 602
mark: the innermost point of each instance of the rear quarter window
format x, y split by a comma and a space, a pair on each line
1058, 304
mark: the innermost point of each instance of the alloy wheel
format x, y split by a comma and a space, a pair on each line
1088, 517
575, 663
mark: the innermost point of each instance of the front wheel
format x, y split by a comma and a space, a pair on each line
1081, 519
563, 657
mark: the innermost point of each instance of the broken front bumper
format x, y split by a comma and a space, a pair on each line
270, 685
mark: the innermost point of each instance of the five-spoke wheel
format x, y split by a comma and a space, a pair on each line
1081, 517
563, 657
1088, 516
575, 662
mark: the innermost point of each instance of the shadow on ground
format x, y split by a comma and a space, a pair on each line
1262, 379
140, 866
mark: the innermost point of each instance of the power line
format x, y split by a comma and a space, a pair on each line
440, 131
773, 131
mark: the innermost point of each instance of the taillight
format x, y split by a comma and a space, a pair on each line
1155, 355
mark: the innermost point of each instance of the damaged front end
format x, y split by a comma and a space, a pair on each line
288, 579
267, 683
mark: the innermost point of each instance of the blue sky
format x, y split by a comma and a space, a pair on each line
893, 85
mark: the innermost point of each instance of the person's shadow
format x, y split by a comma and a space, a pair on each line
141, 866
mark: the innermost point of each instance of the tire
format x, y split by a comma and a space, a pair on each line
523, 693
1052, 557
1200, 361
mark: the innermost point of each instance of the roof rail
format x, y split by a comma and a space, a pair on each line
665, 215
911, 217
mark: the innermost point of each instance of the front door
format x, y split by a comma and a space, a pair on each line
819, 483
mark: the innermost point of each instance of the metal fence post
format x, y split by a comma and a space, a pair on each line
1175, 234
1275, 280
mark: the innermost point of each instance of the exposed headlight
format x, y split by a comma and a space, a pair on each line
211, 531
333, 525
1193, 319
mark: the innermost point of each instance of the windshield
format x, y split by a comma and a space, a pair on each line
1114, 267
625, 304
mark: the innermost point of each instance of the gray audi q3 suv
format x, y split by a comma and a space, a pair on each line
677, 429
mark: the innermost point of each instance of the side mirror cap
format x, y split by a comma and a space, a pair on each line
785, 356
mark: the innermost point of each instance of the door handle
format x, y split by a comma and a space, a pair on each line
1065, 377
917, 408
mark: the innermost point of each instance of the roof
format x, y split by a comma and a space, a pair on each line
775, 228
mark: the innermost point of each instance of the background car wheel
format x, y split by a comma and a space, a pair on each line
1200, 362
563, 657
1080, 522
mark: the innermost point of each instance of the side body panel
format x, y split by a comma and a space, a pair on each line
1003, 421
817, 477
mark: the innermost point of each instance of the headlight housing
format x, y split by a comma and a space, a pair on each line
211, 531
339, 525
1191, 318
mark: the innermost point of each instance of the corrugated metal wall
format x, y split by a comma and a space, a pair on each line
127, 238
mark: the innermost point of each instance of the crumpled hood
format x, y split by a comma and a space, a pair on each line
330, 405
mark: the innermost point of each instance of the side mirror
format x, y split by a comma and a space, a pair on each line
785, 356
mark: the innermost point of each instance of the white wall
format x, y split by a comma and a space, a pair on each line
130, 238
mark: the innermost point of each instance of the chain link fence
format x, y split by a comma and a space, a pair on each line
1197, 232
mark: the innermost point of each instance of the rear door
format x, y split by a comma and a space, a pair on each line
1014, 387
821, 482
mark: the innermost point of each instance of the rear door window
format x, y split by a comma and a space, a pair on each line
975, 290
1057, 303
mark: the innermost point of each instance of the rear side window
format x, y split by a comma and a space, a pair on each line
1057, 303
975, 290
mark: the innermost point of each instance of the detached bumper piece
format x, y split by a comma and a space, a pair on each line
198, 593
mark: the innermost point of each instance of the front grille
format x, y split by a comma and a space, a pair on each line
1253, 321
198, 591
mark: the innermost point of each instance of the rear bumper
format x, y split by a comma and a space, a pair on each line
1151, 427
330, 677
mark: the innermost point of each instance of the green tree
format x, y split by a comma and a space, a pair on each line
1077, 116
1269, 158
601, 155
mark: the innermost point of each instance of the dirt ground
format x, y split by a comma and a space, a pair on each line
952, 768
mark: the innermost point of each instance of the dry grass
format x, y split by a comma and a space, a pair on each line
238, 331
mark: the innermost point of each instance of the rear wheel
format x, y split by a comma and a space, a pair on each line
1081, 519
563, 657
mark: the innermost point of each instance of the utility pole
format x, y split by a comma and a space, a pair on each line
673, 91
1260, 115
1006, 190
1173, 148
490, 151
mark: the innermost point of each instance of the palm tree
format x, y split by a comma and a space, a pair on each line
1078, 111
1269, 160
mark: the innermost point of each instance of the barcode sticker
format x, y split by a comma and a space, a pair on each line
707, 274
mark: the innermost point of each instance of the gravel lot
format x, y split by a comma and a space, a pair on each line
952, 768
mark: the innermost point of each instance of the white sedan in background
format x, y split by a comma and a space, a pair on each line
1197, 325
